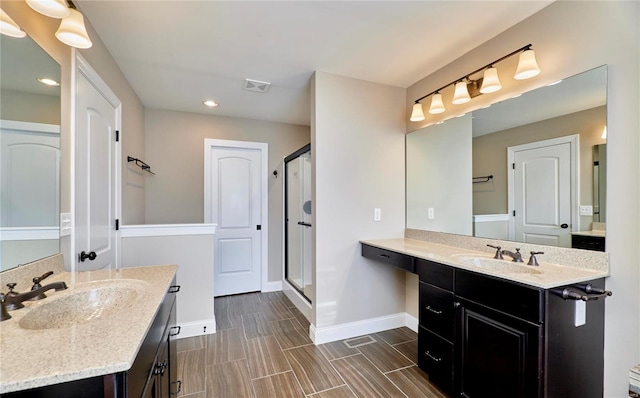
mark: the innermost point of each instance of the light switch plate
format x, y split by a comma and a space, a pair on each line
377, 214
586, 210
65, 224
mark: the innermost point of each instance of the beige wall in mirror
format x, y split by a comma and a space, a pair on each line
575, 106
29, 153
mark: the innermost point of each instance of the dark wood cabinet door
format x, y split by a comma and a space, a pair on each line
497, 355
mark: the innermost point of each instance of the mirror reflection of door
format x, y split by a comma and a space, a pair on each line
298, 210
542, 192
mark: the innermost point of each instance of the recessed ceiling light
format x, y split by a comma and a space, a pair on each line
210, 103
48, 82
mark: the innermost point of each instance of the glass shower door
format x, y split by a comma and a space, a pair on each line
298, 221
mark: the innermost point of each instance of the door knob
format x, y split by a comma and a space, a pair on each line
84, 256
564, 226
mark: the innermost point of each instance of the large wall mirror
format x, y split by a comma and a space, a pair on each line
528, 169
29, 153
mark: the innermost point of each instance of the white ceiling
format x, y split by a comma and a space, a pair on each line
175, 54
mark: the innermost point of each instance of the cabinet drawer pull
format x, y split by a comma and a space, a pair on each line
432, 310
456, 304
174, 289
172, 333
434, 359
384, 255
179, 383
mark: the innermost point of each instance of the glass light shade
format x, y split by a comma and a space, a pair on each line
461, 94
437, 106
417, 115
490, 81
527, 66
8, 27
51, 8
72, 31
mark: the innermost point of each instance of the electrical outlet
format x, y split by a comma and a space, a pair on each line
431, 213
377, 214
586, 210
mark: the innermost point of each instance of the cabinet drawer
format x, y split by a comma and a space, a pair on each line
509, 297
387, 256
436, 274
435, 357
436, 310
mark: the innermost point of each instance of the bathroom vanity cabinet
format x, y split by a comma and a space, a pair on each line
152, 375
485, 336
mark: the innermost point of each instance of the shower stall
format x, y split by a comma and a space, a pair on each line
297, 203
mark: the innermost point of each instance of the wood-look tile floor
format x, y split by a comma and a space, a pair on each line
262, 349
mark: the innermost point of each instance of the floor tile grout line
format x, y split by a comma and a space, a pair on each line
404, 342
384, 375
326, 389
399, 369
339, 374
346, 356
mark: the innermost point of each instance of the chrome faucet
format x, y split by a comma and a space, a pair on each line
517, 256
15, 301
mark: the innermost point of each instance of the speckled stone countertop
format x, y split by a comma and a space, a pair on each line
594, 232
107, 344
551, 275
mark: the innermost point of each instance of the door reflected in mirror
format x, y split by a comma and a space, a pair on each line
533, 176
29, 153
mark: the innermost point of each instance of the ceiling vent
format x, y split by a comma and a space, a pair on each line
256, 85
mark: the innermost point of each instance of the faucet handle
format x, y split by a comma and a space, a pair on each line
11, 286
38, 279
533, 260
4, 314
498, 254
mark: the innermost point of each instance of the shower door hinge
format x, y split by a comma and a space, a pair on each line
117, 224
514, 213
117, 135
513, 166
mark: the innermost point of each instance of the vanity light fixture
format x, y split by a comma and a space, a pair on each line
8, 27
467, 88
48, 82
72, 30
210, 103
50, 8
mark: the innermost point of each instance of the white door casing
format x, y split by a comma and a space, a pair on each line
97, 170
543, 190
236, 200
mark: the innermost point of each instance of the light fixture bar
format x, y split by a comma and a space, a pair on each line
524, 48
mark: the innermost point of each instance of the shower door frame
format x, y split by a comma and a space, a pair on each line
293, 156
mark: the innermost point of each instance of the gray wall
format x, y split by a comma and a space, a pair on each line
357, 146
29, 107
174, 148
571, 37
439, 177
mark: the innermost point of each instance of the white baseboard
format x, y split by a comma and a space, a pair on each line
199, 328
358, 328
411, 322
274, 286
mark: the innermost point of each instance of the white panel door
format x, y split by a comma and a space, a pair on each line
542, 179
236, 196
29, 174
96, 121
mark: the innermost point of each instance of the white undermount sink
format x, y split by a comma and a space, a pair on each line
83, 303
505, 266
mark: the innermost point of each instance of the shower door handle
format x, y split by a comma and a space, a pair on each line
304, 224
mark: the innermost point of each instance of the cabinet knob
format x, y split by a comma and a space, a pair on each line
456, 304
174, 289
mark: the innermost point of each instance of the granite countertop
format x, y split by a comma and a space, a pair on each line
551, 275
108, 344
594, 232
